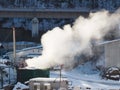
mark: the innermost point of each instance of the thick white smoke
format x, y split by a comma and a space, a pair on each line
60, 46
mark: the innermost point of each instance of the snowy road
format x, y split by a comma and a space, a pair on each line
93, 81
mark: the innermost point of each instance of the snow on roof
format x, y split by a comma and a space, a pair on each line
31, 48
48, 79
19, 42
25, 49
21, 86
107, 42
3, 66
33, 55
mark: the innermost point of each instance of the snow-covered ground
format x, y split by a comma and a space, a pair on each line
7, 75
86, 76
83, 76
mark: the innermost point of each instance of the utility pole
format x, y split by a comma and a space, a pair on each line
14, 51
14, 46
61, 74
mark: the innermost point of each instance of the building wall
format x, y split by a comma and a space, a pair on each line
55, 83
18, 46
112, 54
24, 53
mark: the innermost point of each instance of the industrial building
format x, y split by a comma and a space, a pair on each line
111, 53
48, 84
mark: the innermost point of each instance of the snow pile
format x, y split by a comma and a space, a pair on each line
20, 86
7, 73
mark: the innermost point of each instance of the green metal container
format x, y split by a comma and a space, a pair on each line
24, 75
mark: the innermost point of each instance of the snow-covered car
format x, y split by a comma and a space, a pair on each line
112, 73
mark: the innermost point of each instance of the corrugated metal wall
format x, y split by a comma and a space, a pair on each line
112, 54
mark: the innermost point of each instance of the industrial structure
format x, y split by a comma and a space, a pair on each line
41, 13
35, 27
111, 53
23, 75
48, 84
25, 53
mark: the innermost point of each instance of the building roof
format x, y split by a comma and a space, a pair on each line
108, 42
48, 79
26, 49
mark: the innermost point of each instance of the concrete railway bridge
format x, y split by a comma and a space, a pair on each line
42, 13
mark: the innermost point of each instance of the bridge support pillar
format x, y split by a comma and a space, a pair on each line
35, 27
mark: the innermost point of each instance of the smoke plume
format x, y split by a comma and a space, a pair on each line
61, 46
